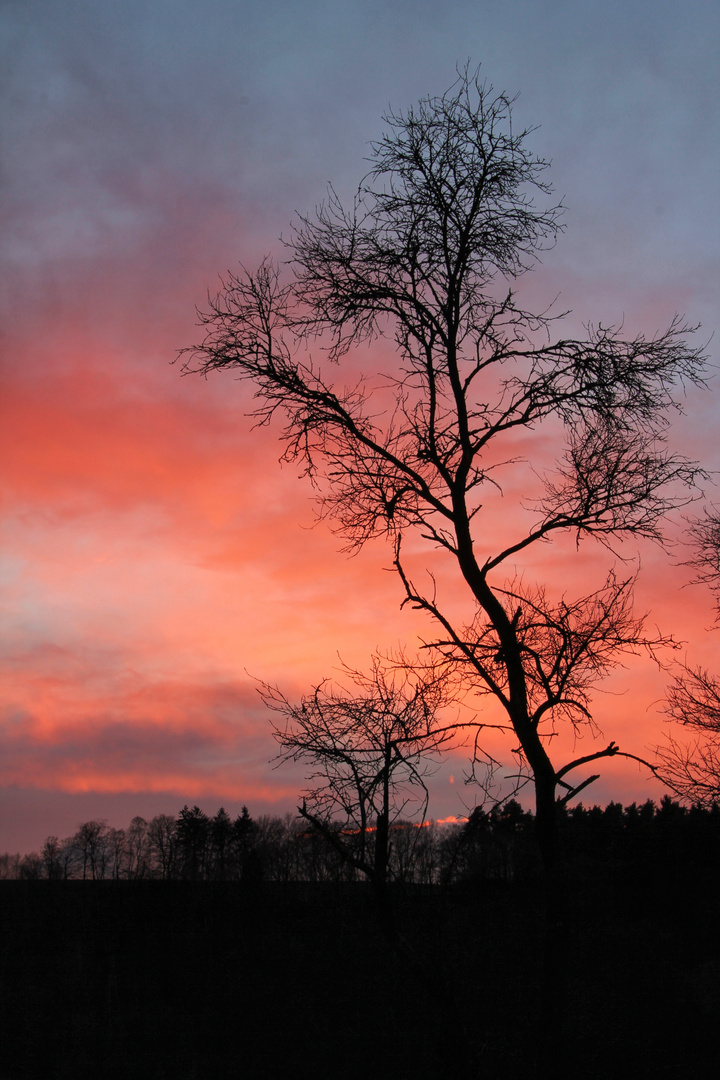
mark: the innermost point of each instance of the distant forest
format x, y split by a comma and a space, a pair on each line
497, 845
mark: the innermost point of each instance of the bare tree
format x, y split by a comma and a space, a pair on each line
93, 844
163, 845
50, 855
369, 745
118, 855
137, 845
69, 857
455, 208
705, 538
692, 769
10, 866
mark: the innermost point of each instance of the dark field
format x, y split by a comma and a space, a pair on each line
195, 980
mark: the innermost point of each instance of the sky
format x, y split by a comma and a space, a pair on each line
156, 560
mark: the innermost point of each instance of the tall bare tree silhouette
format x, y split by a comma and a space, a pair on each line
454, 210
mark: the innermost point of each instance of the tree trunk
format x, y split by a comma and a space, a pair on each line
546, 820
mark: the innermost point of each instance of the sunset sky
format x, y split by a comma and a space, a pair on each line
156, 559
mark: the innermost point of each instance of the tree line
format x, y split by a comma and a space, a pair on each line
490, 845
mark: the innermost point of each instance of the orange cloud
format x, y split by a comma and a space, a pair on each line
173, 736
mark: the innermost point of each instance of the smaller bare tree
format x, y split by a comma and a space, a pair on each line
163, 846
137, 847
692, 769
50, 855
370, 744
92, 841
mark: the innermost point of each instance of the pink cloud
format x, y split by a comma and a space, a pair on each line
186, 738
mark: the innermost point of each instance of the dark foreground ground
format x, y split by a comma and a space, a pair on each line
185, 981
